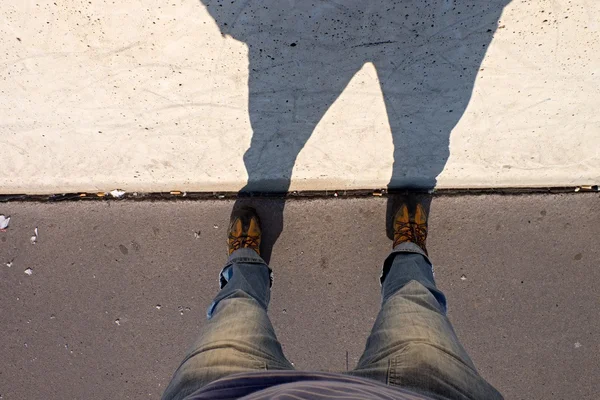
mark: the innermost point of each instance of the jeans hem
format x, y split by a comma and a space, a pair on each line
244, 255
409, 247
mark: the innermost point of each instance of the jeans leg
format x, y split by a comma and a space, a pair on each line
238, 336
413, 344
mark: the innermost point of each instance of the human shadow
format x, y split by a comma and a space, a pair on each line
302, 54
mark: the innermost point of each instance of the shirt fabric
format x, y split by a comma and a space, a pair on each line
297, 385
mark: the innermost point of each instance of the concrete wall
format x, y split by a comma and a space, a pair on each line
150, 96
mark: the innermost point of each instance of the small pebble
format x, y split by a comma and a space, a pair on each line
34, 238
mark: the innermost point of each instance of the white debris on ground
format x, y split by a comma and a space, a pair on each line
577, 345
28, 271
4, 221
9, 264
463, 277
117, 193
34, 238
183, 309
118, 321
197, 234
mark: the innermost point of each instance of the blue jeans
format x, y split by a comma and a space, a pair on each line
412, 344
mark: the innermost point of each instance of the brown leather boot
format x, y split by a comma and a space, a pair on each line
244, 230
409, 228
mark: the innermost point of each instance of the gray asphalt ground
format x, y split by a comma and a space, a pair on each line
119, 289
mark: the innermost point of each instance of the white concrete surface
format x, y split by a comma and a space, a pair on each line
148, 95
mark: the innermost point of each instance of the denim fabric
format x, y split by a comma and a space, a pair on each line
246, 271
412, 343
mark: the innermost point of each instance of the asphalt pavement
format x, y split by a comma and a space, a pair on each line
104, 300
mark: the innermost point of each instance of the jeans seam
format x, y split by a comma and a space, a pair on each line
258, 363
391, 372
249, 260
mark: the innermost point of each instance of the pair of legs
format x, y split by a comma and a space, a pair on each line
412, 343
